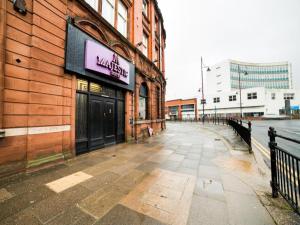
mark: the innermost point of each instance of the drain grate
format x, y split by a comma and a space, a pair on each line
217, 139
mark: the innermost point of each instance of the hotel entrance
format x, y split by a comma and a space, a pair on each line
99, 116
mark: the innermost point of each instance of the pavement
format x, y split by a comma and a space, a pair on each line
189, 174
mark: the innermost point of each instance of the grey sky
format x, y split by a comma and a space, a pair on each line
245, 30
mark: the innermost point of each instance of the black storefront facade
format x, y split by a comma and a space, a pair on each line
103, 78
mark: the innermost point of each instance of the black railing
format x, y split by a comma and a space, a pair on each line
243, 132
285, 176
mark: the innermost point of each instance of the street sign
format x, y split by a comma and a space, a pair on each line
203, 101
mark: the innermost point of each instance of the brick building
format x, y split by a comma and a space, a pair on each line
181, 109
77, 76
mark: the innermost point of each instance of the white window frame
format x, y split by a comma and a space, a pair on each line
145, 8
122, 16
112, 5
145, 44
93, 4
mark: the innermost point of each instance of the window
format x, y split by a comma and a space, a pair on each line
158, 102
232, 98
188, 108
145, 44
96, 88
122, 18
288, 96
273, 96
145, 8
252, 95
216, 100
156, 56
108, 11
93, 4
156, 27
82, 85
173, 110
143, 102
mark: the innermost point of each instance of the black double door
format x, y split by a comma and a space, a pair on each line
98, 126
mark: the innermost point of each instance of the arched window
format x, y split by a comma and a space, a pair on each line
158, 103
143, 102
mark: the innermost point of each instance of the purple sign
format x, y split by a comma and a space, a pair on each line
101, 59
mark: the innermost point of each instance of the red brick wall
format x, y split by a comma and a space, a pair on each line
179, 103
35, 91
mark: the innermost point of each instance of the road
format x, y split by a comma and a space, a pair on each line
288, 128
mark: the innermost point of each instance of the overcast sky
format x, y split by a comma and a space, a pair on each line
245, 30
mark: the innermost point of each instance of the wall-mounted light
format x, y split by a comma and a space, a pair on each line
20, 6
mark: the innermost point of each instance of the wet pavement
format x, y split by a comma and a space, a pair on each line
186, 175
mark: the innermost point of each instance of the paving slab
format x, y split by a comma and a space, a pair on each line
187, 175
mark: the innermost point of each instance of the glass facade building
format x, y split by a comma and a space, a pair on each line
271, 76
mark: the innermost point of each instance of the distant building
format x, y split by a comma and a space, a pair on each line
224, 76
181, 109
256, 102
266, 90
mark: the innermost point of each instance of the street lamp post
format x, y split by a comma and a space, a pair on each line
202, 89
245, 73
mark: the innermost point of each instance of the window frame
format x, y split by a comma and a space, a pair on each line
145, 49
120, 2
216, 99
145, 98
158, 103
95, 4
145, 10
113, 23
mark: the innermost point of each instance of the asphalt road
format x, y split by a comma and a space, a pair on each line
288, 128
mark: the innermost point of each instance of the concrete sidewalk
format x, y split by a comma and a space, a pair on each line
186, 175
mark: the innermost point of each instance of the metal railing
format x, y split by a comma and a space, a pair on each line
285, 176
243, 132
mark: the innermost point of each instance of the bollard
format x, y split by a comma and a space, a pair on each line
250, 130
272, 145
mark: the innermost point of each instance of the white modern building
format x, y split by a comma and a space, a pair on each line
224, 76
266, 90
256, 102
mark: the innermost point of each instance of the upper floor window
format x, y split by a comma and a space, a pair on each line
156, 26
273, 96
188, 108
108, 11
232, 98
252, 95
216, 100
122, 18
145, 8
156, 56
93, 4
145, 44
288, 96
